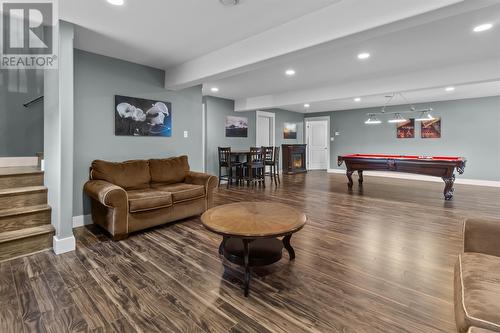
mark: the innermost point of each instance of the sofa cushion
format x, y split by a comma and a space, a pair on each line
478, 276
182, 191
148, 199
129, 174
169, 170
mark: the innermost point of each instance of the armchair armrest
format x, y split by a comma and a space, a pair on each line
482, 236
199, 178
106, 193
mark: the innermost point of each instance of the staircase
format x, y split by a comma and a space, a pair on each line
24, 214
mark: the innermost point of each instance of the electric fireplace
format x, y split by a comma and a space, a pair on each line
294, 158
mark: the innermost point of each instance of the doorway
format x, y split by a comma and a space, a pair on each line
318, 143
265, 129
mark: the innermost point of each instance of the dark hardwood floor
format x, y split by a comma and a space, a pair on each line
376, 259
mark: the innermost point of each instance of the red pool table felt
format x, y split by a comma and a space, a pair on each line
404, 157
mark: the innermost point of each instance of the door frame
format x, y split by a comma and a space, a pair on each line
306, 135
272, 120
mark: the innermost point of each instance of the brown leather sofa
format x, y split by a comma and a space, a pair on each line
134, 195
477, 278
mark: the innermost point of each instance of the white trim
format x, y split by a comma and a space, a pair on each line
401, 175
81, 220
203, 136
272, 116
327, 118
18, 161
63, 245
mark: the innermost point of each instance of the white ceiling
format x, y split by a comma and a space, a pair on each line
417, 47
446, 50
162, 33
473, 90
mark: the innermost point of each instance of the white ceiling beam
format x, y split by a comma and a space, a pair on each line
476, 72
341, 19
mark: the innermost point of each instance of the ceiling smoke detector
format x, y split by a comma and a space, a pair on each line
229, 2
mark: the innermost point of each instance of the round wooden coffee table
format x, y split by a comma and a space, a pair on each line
250, 231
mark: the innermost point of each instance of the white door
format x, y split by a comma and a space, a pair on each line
264, 131
317, 144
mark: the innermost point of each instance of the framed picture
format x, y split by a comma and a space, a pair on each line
406, 130
290, 131
142, 117
236, 127
431, 129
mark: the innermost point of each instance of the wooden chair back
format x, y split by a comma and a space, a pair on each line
256, 156
224, 156
268, 154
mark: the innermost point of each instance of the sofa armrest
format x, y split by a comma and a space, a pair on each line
207, 180
199, 178
106, 193
482, 236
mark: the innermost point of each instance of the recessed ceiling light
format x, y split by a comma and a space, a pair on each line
290, 72
214, 89
357, 99
229, 2
307, 105
449, 88
116, 2
364, 55
483, 27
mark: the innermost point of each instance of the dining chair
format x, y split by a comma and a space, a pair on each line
271, 159
226, 162
255, 166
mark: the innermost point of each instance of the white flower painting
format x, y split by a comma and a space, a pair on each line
142, 117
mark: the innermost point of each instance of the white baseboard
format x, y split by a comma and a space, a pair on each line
400, 175
81, 220
63, 245
18, 161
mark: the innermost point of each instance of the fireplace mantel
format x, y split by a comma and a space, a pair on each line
294, 158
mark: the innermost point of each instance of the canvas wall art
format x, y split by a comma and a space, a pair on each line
406, 130
431, 129
236, 127
142, 117
290, 131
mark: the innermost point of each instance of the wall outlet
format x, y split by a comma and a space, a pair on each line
186, 134
332, 139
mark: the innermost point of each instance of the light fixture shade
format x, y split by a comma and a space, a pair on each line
424, 116
398, 118
372, 120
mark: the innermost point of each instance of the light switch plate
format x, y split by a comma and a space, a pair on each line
185, 134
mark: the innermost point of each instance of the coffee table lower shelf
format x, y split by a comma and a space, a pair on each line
254, 252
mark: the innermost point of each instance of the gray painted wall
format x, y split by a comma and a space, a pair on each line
282, 117
470, 128
216, 111
97, 80
218, 108
21, 129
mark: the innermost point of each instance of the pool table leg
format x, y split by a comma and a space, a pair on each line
360, 177
448, 187
349, 177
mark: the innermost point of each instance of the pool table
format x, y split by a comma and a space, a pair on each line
438, 166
